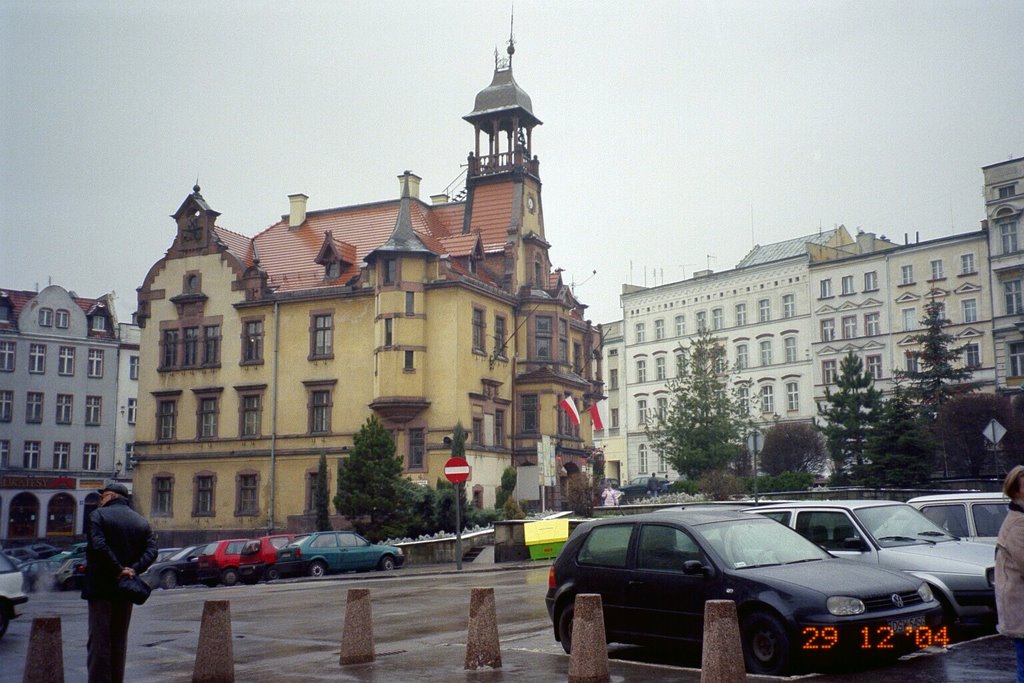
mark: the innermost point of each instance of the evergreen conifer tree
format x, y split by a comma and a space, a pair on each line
370, 490
705, 423
937, 377
850, 412
900, 451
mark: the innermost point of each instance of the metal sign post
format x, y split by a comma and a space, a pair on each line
754, 442
994, 433
456, 470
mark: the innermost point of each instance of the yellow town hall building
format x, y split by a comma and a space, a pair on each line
260, 353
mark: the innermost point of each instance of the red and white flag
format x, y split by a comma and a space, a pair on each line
595, 416
569, 406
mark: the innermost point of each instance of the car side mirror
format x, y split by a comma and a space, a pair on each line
694, 567
854, 543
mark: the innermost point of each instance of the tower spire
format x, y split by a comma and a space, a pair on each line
511, 36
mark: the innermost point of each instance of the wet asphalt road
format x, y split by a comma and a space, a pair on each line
291, 631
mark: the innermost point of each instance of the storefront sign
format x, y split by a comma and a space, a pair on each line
17, 482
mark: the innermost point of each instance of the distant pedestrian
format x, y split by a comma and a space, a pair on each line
1010, 567
610, 496
652, 485
121, 543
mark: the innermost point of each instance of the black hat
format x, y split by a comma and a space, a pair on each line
116, 487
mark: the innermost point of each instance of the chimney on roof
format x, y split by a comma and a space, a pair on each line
439, 198
409, 185
865, 242
702, 273
297, 213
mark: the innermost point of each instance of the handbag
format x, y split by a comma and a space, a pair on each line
133, 589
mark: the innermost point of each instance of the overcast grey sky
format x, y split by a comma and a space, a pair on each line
672, 130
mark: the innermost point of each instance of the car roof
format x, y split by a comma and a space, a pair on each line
848, 504
956, 497
688, 516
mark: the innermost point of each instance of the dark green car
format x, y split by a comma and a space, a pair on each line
328, 552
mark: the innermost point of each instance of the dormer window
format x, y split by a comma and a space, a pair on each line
332, 270
5, 313
46, 317
98, 323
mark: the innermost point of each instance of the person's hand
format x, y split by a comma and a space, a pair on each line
127, 572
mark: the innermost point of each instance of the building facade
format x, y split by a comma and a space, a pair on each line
259, 354
871, 297
761, 312
59, 361
1004, 202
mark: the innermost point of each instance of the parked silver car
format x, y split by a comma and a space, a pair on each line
897, 536
973, 516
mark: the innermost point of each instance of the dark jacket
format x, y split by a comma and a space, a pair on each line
118, 537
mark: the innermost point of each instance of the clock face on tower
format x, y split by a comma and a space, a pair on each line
530, 203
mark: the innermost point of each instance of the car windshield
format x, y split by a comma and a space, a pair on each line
895, 525
757, 542
299, 539
181, 554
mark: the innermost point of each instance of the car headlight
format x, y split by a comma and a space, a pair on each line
399, 550
925, 591
842, 606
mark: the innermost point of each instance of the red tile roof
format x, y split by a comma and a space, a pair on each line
289, 254
19, 298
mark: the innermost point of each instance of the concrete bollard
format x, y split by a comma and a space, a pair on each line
588, 662
44, 662
722, 655
357, 638
215, 656
482, 644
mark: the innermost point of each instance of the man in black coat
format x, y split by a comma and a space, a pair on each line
121, 543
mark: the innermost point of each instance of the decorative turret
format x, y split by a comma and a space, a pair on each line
503, 111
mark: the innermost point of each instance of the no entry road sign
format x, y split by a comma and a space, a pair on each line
456, 470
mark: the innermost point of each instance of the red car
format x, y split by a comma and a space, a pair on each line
218, 562
259, 557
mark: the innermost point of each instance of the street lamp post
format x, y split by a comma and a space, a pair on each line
754, 442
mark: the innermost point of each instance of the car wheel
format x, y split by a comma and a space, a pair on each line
387, 563
229, 577
317, 568
766, 646
169, 579
565, 627
68, 585
271, 574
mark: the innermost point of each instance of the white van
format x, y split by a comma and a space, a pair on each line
971, 516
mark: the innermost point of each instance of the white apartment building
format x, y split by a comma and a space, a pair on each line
871, 296
1004, 202
762, 311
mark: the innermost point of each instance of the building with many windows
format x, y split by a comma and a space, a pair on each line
260, 353
871, 296
761, 310
1004, 202
59, 359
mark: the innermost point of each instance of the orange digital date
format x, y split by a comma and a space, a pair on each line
881, 638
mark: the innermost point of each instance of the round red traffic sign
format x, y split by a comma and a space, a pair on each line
456, 470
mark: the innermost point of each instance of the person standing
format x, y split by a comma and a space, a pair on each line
652, 485
1010, 567
120, 543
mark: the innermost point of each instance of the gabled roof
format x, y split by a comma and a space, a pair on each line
786, 249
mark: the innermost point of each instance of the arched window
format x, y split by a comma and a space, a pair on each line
60, 515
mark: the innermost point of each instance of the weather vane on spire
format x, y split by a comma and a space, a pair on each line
500, 64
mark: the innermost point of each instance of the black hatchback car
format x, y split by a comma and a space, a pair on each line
798, 607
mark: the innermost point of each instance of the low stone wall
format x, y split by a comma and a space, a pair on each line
442, 550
